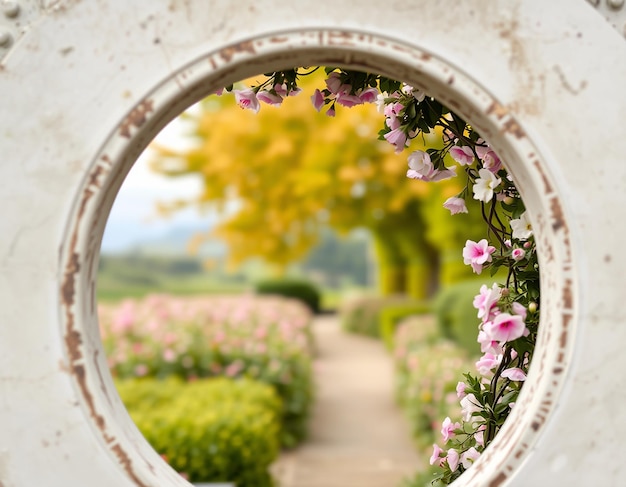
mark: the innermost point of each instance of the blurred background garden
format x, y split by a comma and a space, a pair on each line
232, 237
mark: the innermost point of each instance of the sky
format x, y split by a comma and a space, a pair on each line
134, 217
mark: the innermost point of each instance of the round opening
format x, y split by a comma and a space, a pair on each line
351, 50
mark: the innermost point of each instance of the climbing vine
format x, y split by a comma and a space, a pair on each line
507, 313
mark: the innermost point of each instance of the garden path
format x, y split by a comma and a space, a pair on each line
358, 436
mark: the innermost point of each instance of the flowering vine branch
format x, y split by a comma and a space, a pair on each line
508, 313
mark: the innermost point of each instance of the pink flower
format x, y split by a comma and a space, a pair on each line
518, 254
487, 363
169, 355
348, 100
333, 83
435, 457
514, 374
331, 111
487, 300
421, 167
281, 90
455, 205
397, 137
247, 99
491, 161
481, 149
318, 100
469, 457
479, 436
506, 327
477, 254
369, 95
487, 345
269, 98
141, 370
393, 109
460, 389
453, 459
519, 309
462, 154
447, 428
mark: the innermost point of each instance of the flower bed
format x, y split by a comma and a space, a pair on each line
264, 338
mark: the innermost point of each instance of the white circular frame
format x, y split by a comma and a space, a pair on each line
581, 267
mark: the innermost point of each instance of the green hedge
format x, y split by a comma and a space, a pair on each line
304, 291
210, 430
456, 316
362, 314
393, 314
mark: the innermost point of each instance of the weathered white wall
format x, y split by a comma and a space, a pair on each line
85, 85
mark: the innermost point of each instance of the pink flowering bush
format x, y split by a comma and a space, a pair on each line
507, 315
427, 368
262, 338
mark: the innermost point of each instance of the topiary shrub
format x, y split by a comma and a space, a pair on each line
304, 291
210, 430
456, 316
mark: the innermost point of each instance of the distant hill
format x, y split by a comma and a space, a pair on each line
170, 241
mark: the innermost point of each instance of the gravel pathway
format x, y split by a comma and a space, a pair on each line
358, 436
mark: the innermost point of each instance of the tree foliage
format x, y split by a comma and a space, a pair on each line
290, 171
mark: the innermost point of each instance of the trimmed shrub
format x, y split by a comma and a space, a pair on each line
296, 289
210, 430
265, 338
393, 314
456, 316
361, 314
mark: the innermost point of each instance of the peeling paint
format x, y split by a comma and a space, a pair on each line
229, 52
136, 118
512, 127
557, 214
567, 294
127, 465
546, 184
497, 109
501, 477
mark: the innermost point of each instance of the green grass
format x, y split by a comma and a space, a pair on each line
135, 277
114, 290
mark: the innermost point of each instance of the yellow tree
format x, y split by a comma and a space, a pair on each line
289, 170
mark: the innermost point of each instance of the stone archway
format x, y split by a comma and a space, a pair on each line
85, 86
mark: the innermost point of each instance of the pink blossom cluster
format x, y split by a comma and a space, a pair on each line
193, 337
497, 328
342, 93
250, 99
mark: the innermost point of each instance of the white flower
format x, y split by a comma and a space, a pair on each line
380, 101
469, 457
521, 227
485, 184
469, 405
